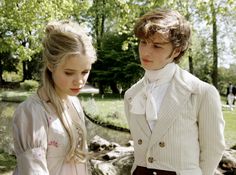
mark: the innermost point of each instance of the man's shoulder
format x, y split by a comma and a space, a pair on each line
191, 82
135, 88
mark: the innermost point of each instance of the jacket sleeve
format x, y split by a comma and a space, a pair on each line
30, 139
211, 130
126, 106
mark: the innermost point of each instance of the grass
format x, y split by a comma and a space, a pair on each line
14, 96
109, 110
7, 162
112, 111
230, 127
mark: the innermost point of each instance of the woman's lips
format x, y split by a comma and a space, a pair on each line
75, 90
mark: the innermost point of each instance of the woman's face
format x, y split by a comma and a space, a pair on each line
156, 52
70, 75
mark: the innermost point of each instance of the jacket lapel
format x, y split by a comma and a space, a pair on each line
174, 101
143, 125
140, 119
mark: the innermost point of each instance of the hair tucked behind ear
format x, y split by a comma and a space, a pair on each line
64, 39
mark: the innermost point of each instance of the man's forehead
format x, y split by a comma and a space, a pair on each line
158, 38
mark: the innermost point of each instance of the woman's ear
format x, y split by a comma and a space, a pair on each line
50, 67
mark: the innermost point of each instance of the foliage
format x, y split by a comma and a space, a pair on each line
14, 96
22, 23
29, 85
226, 75
121, 63
11, 76
7, 162
201, 58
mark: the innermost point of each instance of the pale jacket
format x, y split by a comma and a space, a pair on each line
189, 134
40, 140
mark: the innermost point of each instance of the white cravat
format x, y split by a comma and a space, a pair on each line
148, 100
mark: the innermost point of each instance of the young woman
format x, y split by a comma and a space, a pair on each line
49, 130
175, 119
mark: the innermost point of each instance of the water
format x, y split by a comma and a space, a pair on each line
6, 112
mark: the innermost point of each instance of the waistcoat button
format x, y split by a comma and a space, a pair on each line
162, 144
150, 159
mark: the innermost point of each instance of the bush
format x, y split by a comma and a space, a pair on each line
29, 85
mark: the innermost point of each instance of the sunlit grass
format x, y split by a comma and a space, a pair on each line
111, 111
230, 127
108, 111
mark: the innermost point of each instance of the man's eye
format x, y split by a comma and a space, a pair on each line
157, 46
143, 42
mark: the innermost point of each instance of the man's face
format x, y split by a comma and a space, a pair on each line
156, 52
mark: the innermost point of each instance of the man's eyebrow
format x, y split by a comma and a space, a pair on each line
163, 43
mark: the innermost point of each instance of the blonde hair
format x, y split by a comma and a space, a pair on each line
172, 26
64, 39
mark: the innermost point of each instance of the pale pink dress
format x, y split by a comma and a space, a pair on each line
41, 142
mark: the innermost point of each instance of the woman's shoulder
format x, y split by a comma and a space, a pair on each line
32, 108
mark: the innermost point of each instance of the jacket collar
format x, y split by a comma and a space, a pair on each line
176, 97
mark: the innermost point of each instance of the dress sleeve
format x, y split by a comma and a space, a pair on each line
211, 130
30, 138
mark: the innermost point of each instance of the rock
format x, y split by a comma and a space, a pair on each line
99, 144
117, 160
228, 163
118, 152
114, 159
103, 168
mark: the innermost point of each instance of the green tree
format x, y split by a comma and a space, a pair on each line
22, 24
117, 64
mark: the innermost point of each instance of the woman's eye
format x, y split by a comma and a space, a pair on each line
69, 73
85, 72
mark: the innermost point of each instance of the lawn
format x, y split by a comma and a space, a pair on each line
108, 110
111, 110
230, 127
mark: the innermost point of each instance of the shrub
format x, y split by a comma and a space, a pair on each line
29, 85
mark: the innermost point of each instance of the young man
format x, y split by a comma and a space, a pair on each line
175, 119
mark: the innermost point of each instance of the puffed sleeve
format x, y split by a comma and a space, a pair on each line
30, 138
211, 130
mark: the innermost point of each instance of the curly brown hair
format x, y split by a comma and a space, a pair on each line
172, 26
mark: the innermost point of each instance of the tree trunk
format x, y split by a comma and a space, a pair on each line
101, 88
190, 62
214, 47
26, 72
114, 88
1, 71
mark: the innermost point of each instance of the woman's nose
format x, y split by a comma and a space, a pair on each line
78, 81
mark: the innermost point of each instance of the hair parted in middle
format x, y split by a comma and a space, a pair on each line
64, 39
171, 25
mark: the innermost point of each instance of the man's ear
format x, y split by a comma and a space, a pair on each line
176, 52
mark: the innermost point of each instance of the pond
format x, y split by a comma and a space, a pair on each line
6, 112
